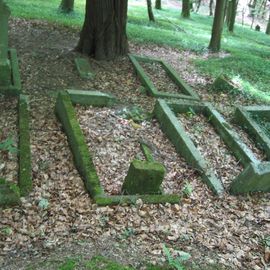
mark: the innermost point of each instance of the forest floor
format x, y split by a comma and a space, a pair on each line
229, 231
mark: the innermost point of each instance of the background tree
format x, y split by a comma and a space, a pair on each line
158, 4
231, 14
66, 6
217, 26
150, 11
268, 27
103, 35
198, 4
211, 4
185, 9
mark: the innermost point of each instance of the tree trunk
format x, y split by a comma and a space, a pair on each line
185, 9
150, 11
103, 35
211, 3
198, 5
217, 26
158, 4
268, 27
67, 6
231, 22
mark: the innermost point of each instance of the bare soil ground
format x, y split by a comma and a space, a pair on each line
228, 230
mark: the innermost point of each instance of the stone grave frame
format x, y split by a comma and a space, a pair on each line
10, 193
10, 82
188, 92
254, 177
82, 156
84, 69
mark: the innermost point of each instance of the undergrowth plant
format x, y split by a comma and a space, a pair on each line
8, 145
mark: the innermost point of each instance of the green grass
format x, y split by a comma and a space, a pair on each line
248, 57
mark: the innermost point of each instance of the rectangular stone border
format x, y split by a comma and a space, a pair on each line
165, 113
242, 117
24, 153
146, 81
83, 159
15, 88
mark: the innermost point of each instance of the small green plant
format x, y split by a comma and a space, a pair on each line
187, 190
135, 113
7, 145
176, 263
266, 241
128, 232
69, 264
190, 112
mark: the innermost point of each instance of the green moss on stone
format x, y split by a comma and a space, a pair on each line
84, 68
25, 177
9, 194
143, 178
82, 158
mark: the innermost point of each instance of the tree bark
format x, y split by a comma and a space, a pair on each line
217, 26
211, 3
103, 35
233, 12
66, 6
268, 27
185, 9
158, 4
150, 11
198, 4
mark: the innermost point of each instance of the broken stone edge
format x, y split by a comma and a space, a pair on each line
79, 62
15, 88
165, 113
151, 89
10, 192
84, 163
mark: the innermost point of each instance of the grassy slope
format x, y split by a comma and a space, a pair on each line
249, 51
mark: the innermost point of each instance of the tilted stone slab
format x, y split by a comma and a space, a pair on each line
143, 177
165, 112
187, 91
84, 68
91, 97
84, 163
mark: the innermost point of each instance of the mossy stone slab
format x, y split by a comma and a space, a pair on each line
143, 178
223, 84
84, 68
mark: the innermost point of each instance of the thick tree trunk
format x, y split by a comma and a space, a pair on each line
103, 35
217, 26
233, 12
158, 4
185, 9
150, 11
67, 6
268, 27
211, 3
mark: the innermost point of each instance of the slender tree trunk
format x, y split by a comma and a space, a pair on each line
103, 35
217, 26
150, 11
185, 9
66, 6
268, 27
233, 15
158, 4
198, 5
211, 3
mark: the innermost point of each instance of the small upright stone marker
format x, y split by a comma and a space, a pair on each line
5, 68
143, 177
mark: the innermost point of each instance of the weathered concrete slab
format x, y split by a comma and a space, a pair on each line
255, 178
91, 98
143, 177
84, 68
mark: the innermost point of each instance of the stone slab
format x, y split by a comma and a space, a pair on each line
84, 68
